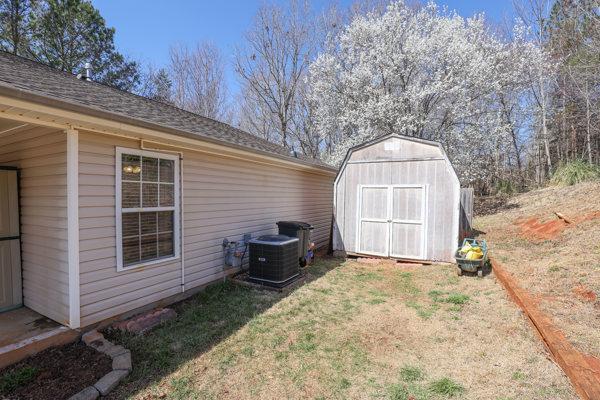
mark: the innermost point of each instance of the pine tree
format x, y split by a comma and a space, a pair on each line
66, 34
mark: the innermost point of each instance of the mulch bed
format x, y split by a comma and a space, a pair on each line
56, 373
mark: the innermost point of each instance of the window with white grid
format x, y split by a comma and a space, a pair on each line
147, 188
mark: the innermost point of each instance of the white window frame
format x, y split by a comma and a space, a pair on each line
119, 151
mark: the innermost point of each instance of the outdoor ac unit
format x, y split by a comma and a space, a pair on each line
274, 259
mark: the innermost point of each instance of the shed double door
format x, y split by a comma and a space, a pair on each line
10, 257
391, 220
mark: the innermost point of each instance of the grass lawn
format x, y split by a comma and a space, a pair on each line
355, 331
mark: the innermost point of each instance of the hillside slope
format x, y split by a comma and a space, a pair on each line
557, 260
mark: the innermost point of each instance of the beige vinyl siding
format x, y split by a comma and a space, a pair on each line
40, 154
223, 197
104, 291
227, 198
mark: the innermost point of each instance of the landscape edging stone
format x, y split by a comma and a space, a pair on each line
121, 366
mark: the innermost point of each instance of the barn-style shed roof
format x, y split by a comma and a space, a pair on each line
387, 136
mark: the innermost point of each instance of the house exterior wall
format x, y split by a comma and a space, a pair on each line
40, 155
222, 197
397, 161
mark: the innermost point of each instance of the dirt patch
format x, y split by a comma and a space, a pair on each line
54, 374
533, 228
584, 293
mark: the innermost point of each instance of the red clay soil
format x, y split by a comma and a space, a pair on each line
582, 369
584, 293
532, 228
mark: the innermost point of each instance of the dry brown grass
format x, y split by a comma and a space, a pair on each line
363, 331
563, 272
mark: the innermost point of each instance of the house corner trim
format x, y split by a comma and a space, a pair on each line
73, 225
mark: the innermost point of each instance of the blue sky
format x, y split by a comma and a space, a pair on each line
147, 28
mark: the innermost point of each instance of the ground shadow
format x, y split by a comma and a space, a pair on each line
489, 205
486, 269
203, 321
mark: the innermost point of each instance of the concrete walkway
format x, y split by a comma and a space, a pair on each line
23, 333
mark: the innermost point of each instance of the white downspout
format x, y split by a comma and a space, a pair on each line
181, 218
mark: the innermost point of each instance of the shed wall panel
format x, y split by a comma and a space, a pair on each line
40, 154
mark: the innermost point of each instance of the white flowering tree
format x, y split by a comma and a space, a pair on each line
421, 72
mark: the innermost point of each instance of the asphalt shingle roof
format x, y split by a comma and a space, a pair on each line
65, 90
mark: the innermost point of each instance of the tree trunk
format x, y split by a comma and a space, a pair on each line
588, 135
545, 127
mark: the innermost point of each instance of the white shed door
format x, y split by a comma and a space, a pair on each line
391, 221
373, 229
407, 238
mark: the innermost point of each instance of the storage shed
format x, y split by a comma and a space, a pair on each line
399, 197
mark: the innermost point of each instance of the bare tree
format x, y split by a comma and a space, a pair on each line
198, 80
271, 66
534, 13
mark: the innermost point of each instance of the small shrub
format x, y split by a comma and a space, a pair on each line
446, 387
575, 172
16, 379
411, 374
504, 186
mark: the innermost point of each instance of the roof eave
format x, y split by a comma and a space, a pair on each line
53, 102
